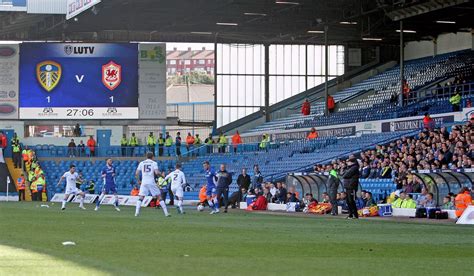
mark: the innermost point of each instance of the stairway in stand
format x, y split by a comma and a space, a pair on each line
15, 174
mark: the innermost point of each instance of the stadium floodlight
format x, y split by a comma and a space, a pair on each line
408, 31
372, 39
287, 2
202, 33
227, 24
255, 14
315, 32
348, 23
445, 22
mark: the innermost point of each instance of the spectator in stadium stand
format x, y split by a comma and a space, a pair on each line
430, 202
409, 203
369, 200
455, 101
280, 196
386, 170
91, 187
134, 191
273, 189
236, 141
406, 92
468, 103
16, 150
428, 122
351, 184
81, 149
77, 131
257, 178
394, 98
313, 134
306, 108
462, 201
189, 142
421, 200
169, 144
265, 142
331, 104
268, 196
397, 203
365, 170
161, 144
21, 185
291, 197
308, 199
209, 144
197, 144
151, 142
243, 180
325, 197
124, 144
343, 203
222, 143
177, 144
71, 148
133, 143
447, 203
91, 144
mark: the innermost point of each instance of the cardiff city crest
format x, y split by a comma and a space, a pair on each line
111, 75
48, 74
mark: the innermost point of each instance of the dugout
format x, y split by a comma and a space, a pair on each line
309, 183
440, 183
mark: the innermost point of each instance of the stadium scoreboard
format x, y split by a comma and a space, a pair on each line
78, 81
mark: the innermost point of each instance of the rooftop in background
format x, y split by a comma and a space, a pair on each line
190, 54
246, 21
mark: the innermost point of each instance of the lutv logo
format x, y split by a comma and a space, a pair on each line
78, 50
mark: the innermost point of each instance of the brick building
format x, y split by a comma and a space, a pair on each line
179, 62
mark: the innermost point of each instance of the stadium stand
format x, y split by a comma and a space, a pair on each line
385, 162
285, 156
420, 73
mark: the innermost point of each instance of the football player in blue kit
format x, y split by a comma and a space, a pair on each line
211, 178
108, 174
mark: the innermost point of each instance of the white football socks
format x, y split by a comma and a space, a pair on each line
81, 204
163, 206
137, 208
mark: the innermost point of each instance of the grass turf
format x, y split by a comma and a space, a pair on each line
240, 243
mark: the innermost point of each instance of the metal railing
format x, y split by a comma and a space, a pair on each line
443, 92
191, 112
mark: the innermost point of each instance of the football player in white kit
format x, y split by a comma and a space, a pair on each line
71, 189
177, 181
148, 170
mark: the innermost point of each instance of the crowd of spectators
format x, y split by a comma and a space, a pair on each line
429, 150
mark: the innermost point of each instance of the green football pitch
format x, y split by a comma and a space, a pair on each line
237, 243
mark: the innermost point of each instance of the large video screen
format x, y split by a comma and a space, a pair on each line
78, 81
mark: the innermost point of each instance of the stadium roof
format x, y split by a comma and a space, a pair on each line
246, 21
